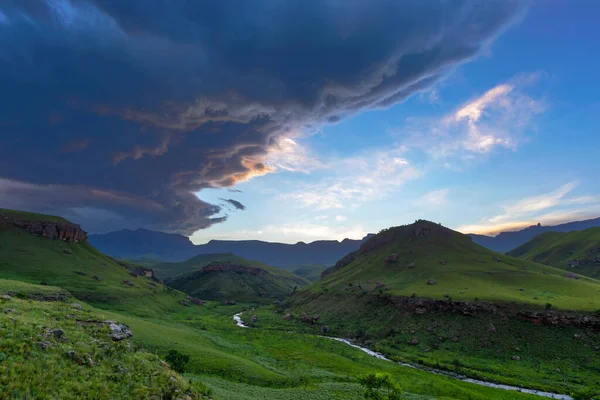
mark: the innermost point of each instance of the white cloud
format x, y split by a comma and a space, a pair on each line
435, 197
289, 155
355, 180
340, 218
554, 207
500, 118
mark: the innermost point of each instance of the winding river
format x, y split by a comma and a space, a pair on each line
239, 322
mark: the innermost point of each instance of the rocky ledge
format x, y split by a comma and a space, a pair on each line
230, 267
52, 230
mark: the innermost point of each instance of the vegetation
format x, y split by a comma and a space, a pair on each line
275, 359
380, 387
558, 249
311, 272
460, 269
231, 277
51, 349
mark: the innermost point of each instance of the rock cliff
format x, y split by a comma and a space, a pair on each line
65, 231
230, 267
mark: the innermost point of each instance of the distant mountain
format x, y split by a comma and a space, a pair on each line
168, 247
507, 241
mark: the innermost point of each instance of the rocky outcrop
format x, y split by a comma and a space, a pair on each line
583, 261
231, 267
391, 258
53, 230
347, 259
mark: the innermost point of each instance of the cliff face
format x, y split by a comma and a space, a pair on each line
52, 230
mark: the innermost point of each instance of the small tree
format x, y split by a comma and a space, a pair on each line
548, 306
177, 360
380, 387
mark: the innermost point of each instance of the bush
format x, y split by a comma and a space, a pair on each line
548, 306
380, 387
177, 360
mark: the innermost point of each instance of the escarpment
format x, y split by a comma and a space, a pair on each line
53, 230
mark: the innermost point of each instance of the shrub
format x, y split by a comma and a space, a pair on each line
548, 306
177, 360
380, 387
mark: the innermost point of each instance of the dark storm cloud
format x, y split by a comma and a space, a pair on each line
117, 111
235, 203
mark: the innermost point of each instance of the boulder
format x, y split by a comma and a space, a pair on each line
254, 318
516, 358
68, 251
96, 277
431, 281
197, 302
571, 275
77, 306
184, 303
412, 265
287, 316
492, 329
414, 341
325, 329
392, 258
119, 331
80, 272
5, 297
443, 262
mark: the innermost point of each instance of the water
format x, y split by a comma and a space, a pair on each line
238, 321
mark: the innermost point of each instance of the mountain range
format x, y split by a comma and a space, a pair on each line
507, 241
143, 244
165, 247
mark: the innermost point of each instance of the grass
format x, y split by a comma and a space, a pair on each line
29, 216
276, 359
82, 363
557, 249
34, 259
311, 272
471, 273
271, 283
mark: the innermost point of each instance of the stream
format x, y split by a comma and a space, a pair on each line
239, 322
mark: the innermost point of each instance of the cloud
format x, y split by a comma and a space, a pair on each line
235, 203
349, 182
499, 118
340, 218
554, 207
435, 197
155, 100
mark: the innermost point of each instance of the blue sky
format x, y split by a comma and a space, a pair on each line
547, 171
300, 120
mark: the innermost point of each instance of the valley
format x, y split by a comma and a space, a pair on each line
471, 334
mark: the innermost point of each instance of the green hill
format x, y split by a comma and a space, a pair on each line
226, 276
55, 349
311, 272
76, 267
429, 260
425, 294
577, 252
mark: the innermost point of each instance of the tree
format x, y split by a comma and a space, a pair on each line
380, 387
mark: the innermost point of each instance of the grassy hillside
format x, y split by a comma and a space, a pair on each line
311, 272
52, 349
226, 276
459, 269
82, 270
561, 249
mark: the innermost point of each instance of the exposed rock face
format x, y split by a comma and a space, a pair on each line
50, 229
571, 275
230, 267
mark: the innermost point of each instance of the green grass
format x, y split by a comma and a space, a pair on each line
311, 272
276, 359
35, 259
188, 276
83, 363
29, 216
556, 249
471, 273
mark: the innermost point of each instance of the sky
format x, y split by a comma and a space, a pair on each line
300, 120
